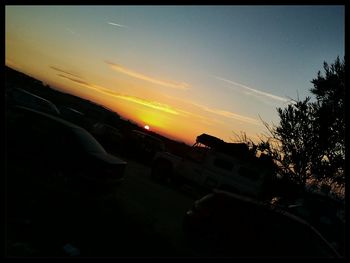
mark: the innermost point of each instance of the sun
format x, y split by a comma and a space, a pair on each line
146, 127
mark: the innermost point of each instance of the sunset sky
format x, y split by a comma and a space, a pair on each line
182, 70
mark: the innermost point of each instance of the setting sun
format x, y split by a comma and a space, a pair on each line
146, 127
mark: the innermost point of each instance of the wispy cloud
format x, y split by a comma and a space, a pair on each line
64, 71
115, 24
255, 92
148, 103
164, 83
220, 112
79, 81
228, 114
162, 106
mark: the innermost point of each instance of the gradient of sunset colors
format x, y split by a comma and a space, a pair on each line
181, 70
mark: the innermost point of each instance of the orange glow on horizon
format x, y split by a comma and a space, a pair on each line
170, 118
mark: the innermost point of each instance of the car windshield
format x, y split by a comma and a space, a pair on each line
89, 142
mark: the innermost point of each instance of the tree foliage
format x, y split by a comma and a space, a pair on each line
309, 142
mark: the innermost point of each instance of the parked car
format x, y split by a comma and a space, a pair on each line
325, 213
44, 148
143, 145
75, 116
108, 135
227, 224
18, 96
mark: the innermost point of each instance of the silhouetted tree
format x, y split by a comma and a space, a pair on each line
309, 142
330, 122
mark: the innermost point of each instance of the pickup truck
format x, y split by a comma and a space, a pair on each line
215, 164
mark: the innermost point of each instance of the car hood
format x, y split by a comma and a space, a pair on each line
108, 158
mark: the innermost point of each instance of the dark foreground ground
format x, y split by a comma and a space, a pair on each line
139, 218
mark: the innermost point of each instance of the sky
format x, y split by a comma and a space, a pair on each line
182, 70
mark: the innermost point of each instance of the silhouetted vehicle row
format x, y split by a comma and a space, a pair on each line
227, 224
101, 122
53, 149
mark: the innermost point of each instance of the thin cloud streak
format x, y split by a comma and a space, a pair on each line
126, 71
151, 104
229, 114
220, 112
164, 107
115, 24
64, 71
269, 95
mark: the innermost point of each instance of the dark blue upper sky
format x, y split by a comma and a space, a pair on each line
225, 64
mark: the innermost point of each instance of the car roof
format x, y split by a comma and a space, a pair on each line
71, 109
273, 209
52, 105
49, 116
79, 131
259, 203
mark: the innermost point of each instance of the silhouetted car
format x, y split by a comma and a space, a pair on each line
44, 148
18, 96
326, 214
75, 116
107, 134
227, 224
144, 145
